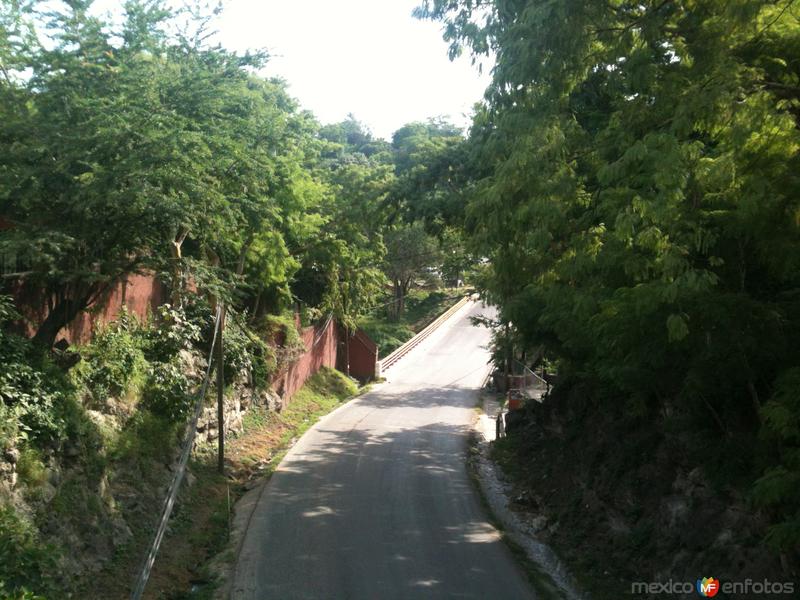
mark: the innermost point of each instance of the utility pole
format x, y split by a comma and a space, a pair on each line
221, 394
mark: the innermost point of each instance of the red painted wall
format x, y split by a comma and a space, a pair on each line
141, 294
363, 356
321, 345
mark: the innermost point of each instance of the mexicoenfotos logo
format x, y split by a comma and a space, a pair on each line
707, 587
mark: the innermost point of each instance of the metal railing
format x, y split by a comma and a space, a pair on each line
528, 383
395, 356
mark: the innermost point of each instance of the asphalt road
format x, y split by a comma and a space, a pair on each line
375, 501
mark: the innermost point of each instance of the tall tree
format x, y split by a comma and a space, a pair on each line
641, 209
129, 143
411, 255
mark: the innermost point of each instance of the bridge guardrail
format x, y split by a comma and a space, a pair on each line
385, 363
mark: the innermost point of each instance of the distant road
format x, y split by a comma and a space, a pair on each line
375, 501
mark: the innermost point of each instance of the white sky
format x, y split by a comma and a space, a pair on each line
366, 57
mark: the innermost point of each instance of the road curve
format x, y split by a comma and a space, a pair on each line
375, 502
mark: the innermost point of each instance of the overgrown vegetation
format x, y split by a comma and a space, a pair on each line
143, 375
134, 145
200, 534
26, 563
632, 179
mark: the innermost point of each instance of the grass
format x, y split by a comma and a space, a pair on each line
422, 308
31, 468
200, 526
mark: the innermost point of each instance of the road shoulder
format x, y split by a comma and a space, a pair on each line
547, 574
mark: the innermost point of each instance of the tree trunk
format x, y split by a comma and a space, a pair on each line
176, 297
507, 361
397, 298
243, 254
62, 314
256, 307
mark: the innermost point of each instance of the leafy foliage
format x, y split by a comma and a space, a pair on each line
113, 360
26, 566
167, 392
412, 254
32, 389
640, 203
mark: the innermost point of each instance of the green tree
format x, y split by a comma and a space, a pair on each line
411, 254
341, 272
129, 145
641, 207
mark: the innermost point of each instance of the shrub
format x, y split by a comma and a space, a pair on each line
167, 391
32, 389
172, 332
114, 359
145, 438
779, 488
30, 467
26, 565
246, 350
8, 427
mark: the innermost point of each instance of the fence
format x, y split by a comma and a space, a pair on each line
395, 356
526, 382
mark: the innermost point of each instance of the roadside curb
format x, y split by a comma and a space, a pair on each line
387, 362
552, 578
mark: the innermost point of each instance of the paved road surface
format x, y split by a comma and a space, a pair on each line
375, 502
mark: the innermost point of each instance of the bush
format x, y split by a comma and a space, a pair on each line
779, 488
387, 335
246, 350
31, 468
8, 427
146, 438
237, 347
32, 389
26, 565
167, 391
330, 382
113, 360
174, 331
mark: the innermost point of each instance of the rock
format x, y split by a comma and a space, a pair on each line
538, 523
54, 475
47, 492
104, 490
122, 533
676, 509
724, 538
617, 525
525, 499
11, 455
